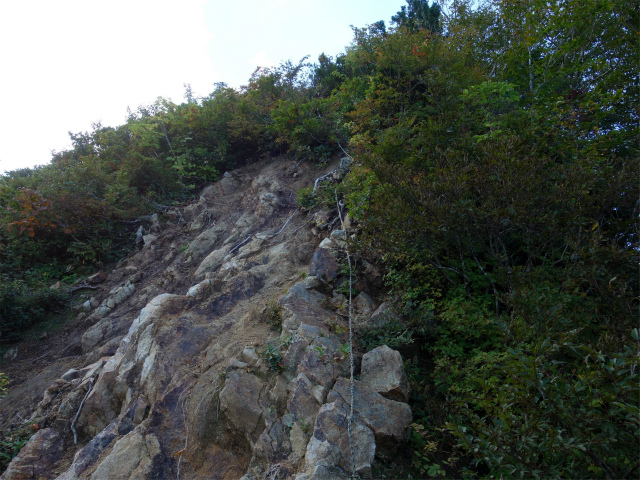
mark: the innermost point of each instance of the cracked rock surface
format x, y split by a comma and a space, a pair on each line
181, 366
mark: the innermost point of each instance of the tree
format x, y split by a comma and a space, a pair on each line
418, 15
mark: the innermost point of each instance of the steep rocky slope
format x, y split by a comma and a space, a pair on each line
218, 350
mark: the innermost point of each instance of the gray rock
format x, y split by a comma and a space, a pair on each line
328, 244
207, 193
321, 219
95, 334
319, 370
212, 261
140, 410
381, 317
339, 237
190, 212
329, 446
301, 305
245, 223
311, 281
363, 305
97, 278
91, 370
323, 265
200, 290
90, 453
301, 402
86, 306
148, 239
130, 269
140, 235
299, 438
11, 354
155, 223
389, 420
383, 372
239, 402
268, 203
136, 277
235, 363
132, 457
204, 243
250, 356
70, 374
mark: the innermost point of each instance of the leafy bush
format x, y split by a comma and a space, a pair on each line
547, 409
22, 306
274, 314
12, 441
4, 381
272, 354
306, 198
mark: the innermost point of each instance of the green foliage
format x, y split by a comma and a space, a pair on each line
274, 314
12, 441
4, 381
548, 408
394, 334
306, 197
22, 305
419, 15
504, 199
495, 170
272, 354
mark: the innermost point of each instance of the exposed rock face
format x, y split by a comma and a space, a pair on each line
184, 373
240, 402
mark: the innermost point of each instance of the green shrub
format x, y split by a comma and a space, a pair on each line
306, 198
22, 306
272, 354
4, 381
12, 441
274, 314
547, 409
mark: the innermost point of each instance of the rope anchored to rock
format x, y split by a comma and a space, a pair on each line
352, 383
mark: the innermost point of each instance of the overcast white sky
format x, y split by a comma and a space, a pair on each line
68, 63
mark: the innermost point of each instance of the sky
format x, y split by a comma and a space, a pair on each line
67, 64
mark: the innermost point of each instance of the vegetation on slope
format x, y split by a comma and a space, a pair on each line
496, 177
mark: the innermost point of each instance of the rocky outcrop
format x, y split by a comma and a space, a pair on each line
201, 379
383, 372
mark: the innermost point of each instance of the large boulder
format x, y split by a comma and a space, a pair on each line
302, 402
329, 449
302, 305
389, 420
324, 265
239, 402
383, 372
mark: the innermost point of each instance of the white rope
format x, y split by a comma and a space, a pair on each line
267, 235
352, 383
